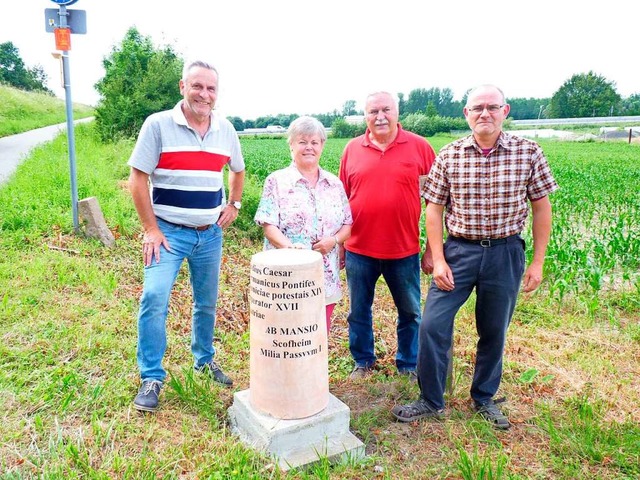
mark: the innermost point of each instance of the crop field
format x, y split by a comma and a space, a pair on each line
596, 236
595, 244
68, 340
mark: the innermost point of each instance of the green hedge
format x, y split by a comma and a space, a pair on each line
424, 126
418, 123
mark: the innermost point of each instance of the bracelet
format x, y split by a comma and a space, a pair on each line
335, 237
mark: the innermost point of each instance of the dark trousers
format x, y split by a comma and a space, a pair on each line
495, 272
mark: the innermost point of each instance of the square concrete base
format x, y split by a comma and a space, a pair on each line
295, 443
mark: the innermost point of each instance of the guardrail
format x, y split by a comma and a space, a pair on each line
576, 121
264, 131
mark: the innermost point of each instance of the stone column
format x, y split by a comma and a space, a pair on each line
289, 376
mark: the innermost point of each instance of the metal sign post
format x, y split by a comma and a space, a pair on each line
66, 75
62, 30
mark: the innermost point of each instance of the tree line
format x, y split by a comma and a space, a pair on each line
140, 79
583, 95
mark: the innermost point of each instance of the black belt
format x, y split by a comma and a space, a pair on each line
486, 242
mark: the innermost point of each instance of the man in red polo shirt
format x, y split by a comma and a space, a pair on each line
381, 172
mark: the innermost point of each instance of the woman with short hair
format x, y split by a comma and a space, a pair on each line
304, 206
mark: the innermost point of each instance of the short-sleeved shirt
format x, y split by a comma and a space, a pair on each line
186, 170
305, 215
384, 194
486, 195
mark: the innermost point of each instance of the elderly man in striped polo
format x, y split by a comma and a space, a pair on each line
485, 182
181, 154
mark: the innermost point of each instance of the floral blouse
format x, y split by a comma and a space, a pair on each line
305, 215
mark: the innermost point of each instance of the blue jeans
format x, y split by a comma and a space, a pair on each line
495, 272
403, 279
202, 250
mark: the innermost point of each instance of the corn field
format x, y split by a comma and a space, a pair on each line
595, 243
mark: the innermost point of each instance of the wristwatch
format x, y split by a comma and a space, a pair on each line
237, 205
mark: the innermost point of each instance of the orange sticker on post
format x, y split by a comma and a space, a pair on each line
63, 38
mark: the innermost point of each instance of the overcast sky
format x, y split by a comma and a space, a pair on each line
296, 56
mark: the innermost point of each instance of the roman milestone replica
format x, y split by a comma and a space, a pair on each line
288, 411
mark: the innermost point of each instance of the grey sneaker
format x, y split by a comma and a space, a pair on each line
216, 374
360, 372
492, 414
147, 398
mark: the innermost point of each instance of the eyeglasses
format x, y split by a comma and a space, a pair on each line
480, 108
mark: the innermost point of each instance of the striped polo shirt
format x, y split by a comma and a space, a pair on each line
186, 170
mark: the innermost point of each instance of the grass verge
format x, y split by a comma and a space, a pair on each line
21, 111
68, 373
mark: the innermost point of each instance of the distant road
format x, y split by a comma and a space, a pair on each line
577, 121
264, 131
522, 123
14, 148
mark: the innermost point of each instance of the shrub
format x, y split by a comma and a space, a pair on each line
341, 129
139, 80
418, 123
425, 126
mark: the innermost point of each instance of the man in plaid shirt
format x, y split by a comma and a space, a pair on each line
483, 185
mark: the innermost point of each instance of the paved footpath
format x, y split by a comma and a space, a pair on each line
14, 148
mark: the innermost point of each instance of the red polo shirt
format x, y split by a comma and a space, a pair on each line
383, 192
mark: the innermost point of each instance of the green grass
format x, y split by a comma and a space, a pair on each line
68, 338
21, 111
585, 438
477, 467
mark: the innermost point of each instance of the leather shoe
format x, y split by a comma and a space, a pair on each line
147, 398
216, 374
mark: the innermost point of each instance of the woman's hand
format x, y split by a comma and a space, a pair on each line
325, 245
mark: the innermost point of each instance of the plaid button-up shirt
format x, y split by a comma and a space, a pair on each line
486, 196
